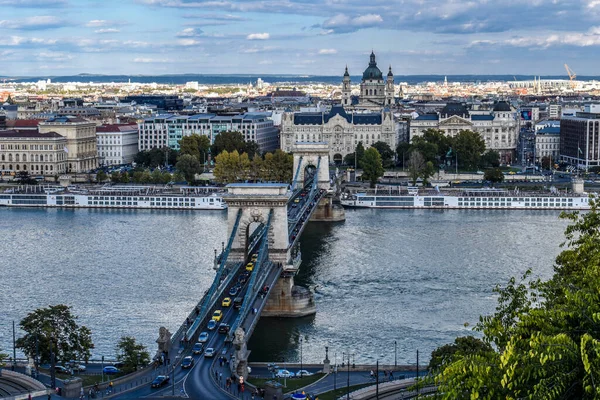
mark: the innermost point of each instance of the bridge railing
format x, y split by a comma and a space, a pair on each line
260, 265
217, 281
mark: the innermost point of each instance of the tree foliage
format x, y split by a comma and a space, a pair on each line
418, 167
384, 150
233, 141
24, 178
235, 167
359, 154
462, 346
57, 324
372, 166
3, 356
195, 145
101, 176
545, 334
189, 166
494, 175
132, 354
469, 146
156, 157
490, 159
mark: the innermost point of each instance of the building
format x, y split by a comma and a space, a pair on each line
34, 152
375, 93
580, 138
82, 148
499, 128
167, 130
117, 144
547, 143
162, 102
341, 130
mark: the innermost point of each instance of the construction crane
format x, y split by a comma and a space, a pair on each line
572, 76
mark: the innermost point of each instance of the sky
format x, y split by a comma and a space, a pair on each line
300, 37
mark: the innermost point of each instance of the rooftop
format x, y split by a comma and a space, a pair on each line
29, 134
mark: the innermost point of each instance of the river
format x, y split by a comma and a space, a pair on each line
415, 277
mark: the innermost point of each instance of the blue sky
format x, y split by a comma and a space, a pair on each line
61, 37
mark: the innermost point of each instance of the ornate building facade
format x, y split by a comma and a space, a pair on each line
499, 128
375, 92
341, 130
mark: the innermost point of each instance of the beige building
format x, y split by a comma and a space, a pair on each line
375, 92
341, 130
34, 152
82, 150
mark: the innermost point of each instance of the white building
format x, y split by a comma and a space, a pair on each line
167, 130
498, 128
117, 144
34, 152
547, 143
341, 130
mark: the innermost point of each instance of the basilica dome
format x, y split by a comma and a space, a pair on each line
372, 72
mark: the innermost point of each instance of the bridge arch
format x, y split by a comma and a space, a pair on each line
315, 154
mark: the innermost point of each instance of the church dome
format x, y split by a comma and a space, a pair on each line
372, 72
502, 106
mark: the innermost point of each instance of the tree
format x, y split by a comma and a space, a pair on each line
349, 159
494, 175
3, 356
101, 176
359, 152
440, 140
402, 151
490, 158
233, 141
280, 166
58, 325
385, 151
195, 145
24, 178
461, 347
189, 166
468, 146
429, 151
418, 167
545, 334
372, 166
547, 162
132, 354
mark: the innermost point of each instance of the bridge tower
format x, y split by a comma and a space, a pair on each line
306, 156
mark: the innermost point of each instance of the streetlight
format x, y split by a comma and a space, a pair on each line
395, 354
348, 382
301, 373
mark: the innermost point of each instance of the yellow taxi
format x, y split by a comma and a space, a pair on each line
249, 266
226, 302
296, 200
217, 315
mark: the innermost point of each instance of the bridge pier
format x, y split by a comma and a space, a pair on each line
289, 300
327, 211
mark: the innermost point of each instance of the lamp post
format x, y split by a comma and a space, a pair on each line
377, 380
301, 373
348, 381
335, 372
395, 354
14, 366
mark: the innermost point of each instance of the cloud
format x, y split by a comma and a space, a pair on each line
263, 49
107, 30
342, 23
39, 22
98, 23
258, 36
188, 42
34, 3
576, 39
327, 51
152, 60
190, 32
54, 55
21, 41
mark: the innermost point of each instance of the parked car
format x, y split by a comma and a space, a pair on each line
212, 324
159, 381
203, 338
110, 370
187, 362
224, 328
198, 347
62, 370
210, 352
284, 373
302, 373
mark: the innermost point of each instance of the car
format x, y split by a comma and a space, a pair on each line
249, 266
254, 257
210, 352
217, 315
284, 373
224, 328
62, 370
212, 324
242, 279
203, 338
237, 303
110, 370
75, 366
226, 302
198, 347
296, 200
234, 291
159, 381
302, 373
187, 362
118, 364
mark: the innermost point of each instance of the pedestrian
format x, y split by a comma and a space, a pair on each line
216, 376
29, 396
391, 376
49, 396
372, 374
220, 377
220, 361
110, 387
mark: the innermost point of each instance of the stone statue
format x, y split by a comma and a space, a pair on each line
239, 337
164, 339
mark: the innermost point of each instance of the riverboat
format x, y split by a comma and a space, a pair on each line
135, 197
481, 198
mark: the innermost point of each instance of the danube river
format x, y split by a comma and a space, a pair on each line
411, 276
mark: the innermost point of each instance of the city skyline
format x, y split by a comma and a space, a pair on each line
298, 37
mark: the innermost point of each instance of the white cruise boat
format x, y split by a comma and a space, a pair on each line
139, 197
484, 198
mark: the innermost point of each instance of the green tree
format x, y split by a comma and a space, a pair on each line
349, 159
189, 166
256, 169
156, 176
385, 151
132, 354
490, 158
547, 162
359, 151
372, 166
494, 175
280, 166
440, 140
469, 146
418, 167
429, 151
545, 334
403, 152
3, 356
57, 324
462, 346
233, 141
166, 177
101, 176
232, 167
195, 145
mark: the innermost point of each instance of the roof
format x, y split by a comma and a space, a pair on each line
428, 117
372, 72
337, 109
483, 117
24, 123
308, 118
367, 119
454, 109
29, 134
502, 106
116, 128
65, 119
549, 130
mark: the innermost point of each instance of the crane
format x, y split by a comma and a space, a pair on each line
571, 73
